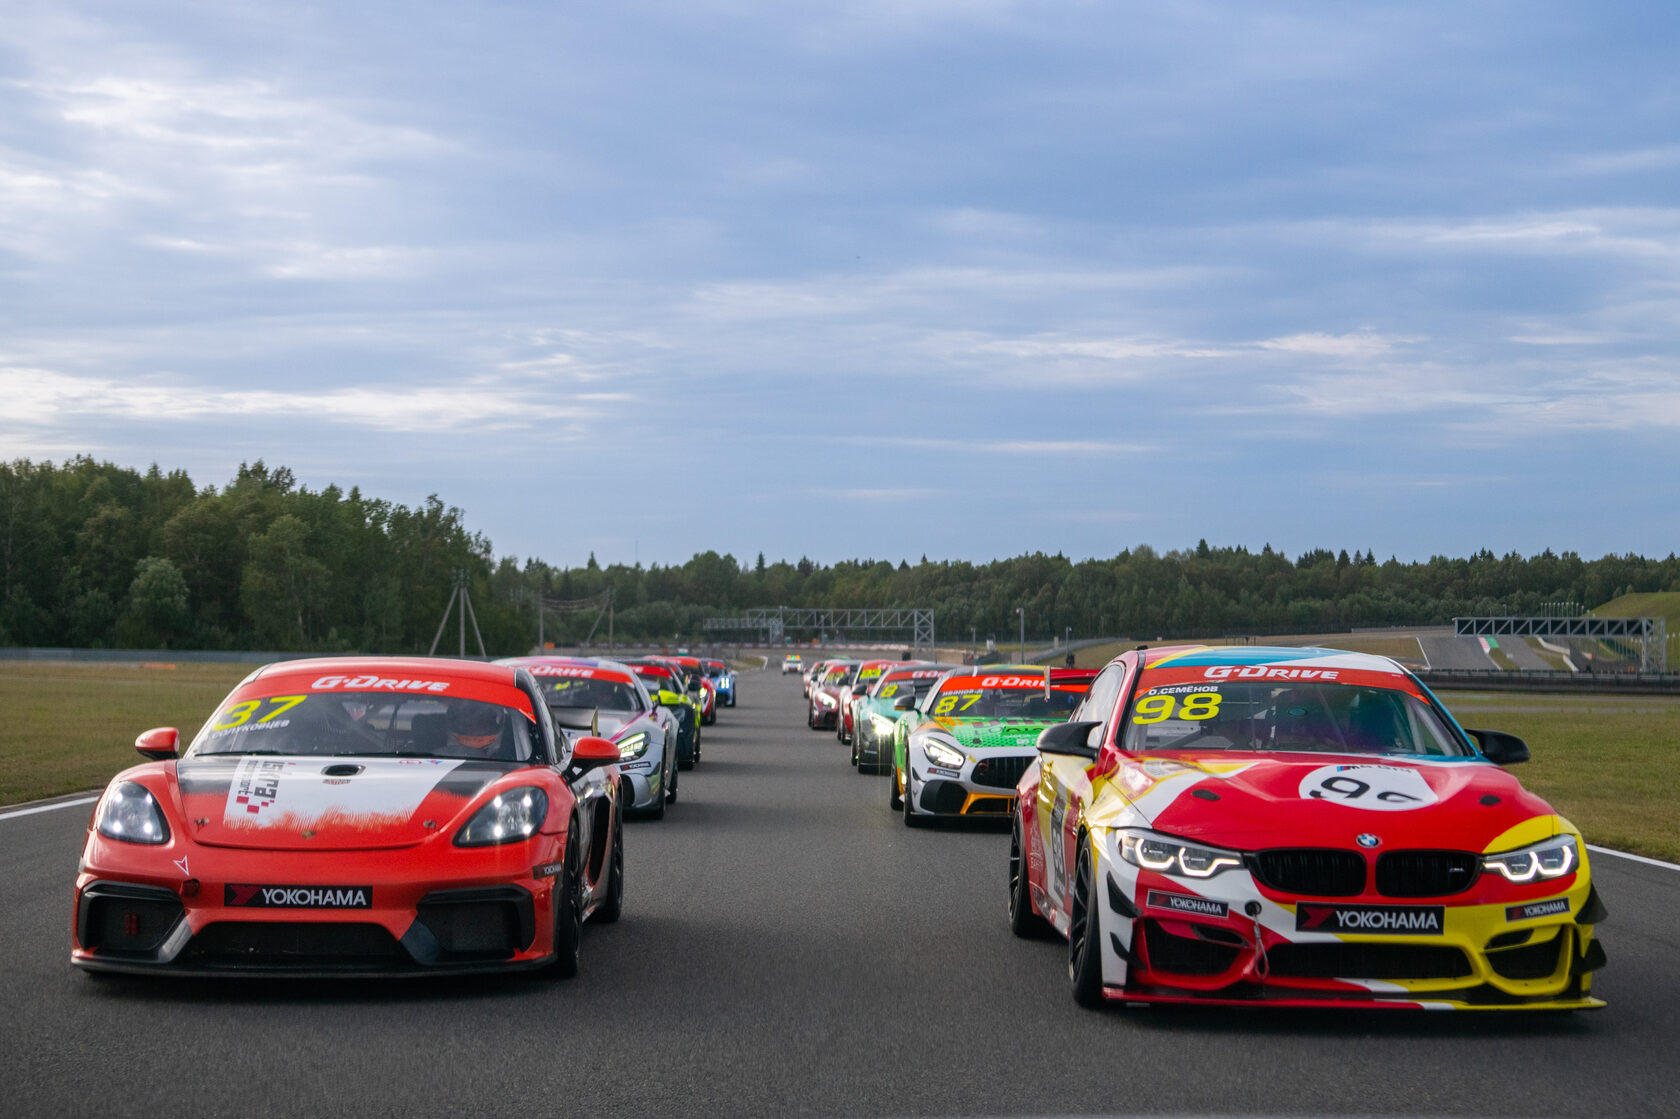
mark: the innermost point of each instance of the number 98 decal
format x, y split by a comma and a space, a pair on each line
1159, 708
1376, 788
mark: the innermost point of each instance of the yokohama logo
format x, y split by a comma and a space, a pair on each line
1184, 903
298, 897
1537, 909
1417, 920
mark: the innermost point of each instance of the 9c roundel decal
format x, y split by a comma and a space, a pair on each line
1376, 788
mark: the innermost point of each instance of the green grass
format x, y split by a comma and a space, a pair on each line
1661, 604
1606, 763
69, 727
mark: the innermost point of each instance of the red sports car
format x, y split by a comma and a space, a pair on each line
356, 816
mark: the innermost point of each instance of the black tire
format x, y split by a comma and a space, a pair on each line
671, 787
1085, 934
907, 808
568, 915
613, 904
1023, 922
854, 752
894, 801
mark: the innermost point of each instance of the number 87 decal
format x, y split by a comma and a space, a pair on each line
1157, 708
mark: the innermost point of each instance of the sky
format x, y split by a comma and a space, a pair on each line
864, 278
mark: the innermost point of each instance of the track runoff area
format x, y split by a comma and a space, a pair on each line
789, 946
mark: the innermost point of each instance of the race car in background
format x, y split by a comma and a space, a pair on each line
667, 687
351, 817
698, 684
723, 680
1299, 827
972, 736
606, 698
868, 672
823, 710
874, 719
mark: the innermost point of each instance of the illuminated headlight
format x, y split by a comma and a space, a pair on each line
882, 724
1153, 851
1553, 858
941, 754
825, 699
510, 817
130, 813
633, 747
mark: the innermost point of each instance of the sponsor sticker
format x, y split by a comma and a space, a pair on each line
1405, 920
547, 870
1187, 903
1376, 788
1268, 672
373, 683
1533, 909
297, 897
943, 772
629, 767
269, 792
562, 670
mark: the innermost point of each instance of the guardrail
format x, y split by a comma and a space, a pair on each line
1618, 683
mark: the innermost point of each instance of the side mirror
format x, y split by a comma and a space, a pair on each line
1498, 747
590, 752
1073, 739
905, 702
158, 744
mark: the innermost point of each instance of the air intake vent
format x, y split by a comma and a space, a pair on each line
1425, 874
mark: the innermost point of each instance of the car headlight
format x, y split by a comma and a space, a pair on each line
510, 817
131, 814
825, 699
1553, 858
939, 753
633, 747
1153, 851
883, 725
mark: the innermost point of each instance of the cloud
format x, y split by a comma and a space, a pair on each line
1362, 345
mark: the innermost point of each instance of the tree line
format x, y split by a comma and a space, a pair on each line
102, 556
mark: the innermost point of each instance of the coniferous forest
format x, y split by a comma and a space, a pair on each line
98, 555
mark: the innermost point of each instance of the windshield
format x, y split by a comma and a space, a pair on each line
839, 676
656, 679
1315, 716
368, 723
1005, 703
714, 670
892, 689
607, 695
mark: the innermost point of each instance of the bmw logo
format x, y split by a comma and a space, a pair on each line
1367, 840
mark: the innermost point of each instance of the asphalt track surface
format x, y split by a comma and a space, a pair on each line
788, 947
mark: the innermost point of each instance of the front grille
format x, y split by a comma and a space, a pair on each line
117, 918
1185, 955
482, 923
300, 944
1367, 961
1324, 872
1000, 773
1532, 961
1425, 874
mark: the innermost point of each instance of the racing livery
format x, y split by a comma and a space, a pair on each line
700, 685
723, 679
1296, 827
867, 674
667, 686
823, 710
874, 719
607, 698
975, 733
355, 816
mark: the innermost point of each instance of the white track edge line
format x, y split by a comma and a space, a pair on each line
46, 807
1635, 858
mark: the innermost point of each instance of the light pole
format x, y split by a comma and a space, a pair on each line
1021, 654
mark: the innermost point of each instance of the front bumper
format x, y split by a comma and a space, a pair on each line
646, 778
423, 910
982, 787
1231, 940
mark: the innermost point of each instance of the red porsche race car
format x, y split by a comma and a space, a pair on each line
1296, 826
356, 816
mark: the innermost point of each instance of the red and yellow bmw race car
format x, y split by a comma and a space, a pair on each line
356, 816
1296, 827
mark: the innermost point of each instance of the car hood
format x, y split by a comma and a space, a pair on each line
1318, 800
991, 734
317, 803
